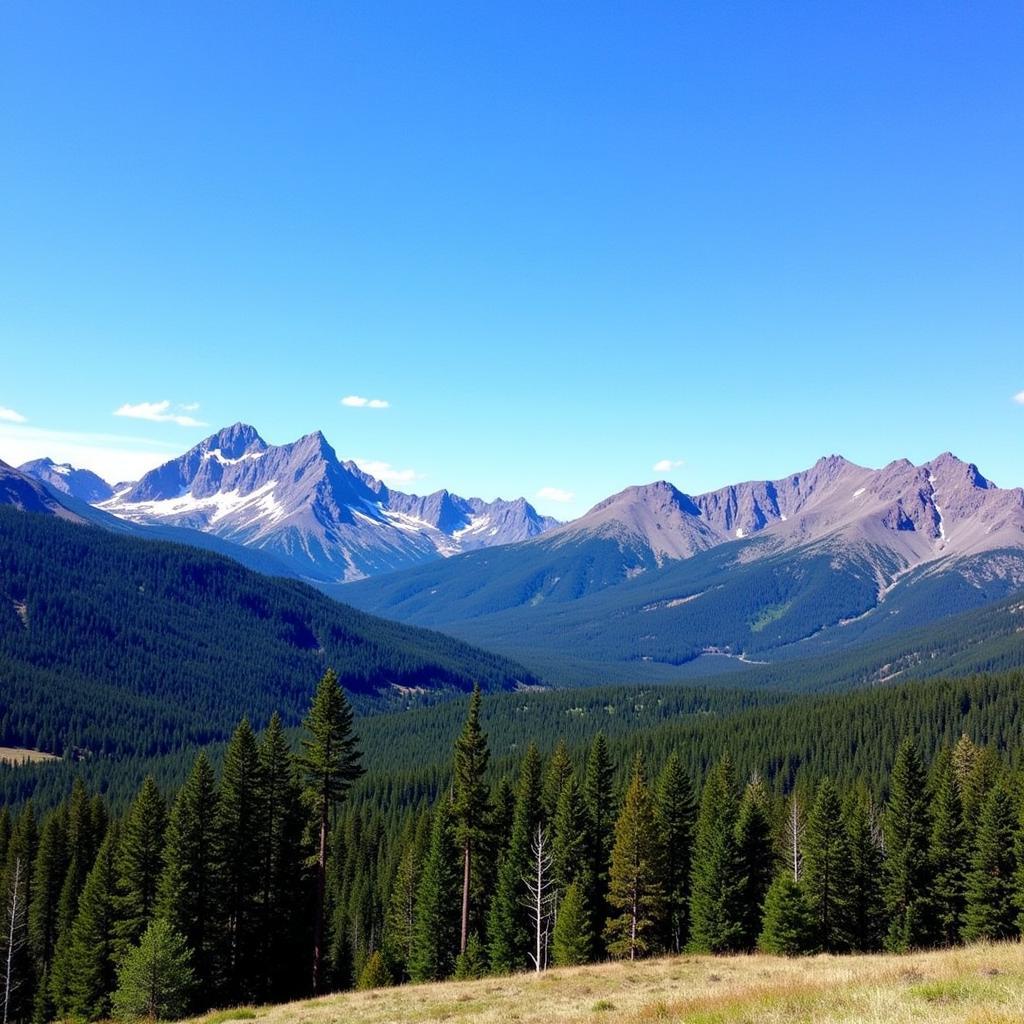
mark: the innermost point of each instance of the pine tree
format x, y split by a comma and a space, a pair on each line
907, 829
330, 764
154, 977
635, 879
84, 836
508, 929
867, 919
472, 962
948, 856
598, 796
558, 771
789, 925
48, 871
717, 883
989, 911
826, 881
375, 974
675, 813
470, 805
754, 841
93, 953
568, 838
437, 905
570, 942
140, 863
282, 891
188, 893
238, 860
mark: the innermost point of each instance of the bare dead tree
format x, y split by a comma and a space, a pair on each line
541, 894
15, 933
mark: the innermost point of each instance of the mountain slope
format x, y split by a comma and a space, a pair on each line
826, 559
115, 644
62, 477
326, 520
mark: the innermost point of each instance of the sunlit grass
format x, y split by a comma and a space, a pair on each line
981, 984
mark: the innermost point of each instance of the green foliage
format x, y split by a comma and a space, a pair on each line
435, 939
717, 884
907, 828
789, 924
93, 948
188, 897
989, 912
140, 862
827, 869
472, 962
757, 860
571, 944
948, 854
636, 890
867, 907
675, 812
375, 974
154, 977
208, 640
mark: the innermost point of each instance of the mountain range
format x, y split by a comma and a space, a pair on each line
651, 582
325, 520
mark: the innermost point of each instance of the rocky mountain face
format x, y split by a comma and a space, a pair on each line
325, 519
77, 483
939, 509
653, 578
22, 492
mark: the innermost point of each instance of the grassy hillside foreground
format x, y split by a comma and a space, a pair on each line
981, 984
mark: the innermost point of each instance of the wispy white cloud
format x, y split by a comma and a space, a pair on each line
666, 465
556, 494
115, 457
160, 412
10, 416
1019, 398
358, 402
388, 473
189, 406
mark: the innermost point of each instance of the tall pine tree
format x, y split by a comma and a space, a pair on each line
827, 881
330, 762
470, 805
989, 913
754, 840
636, 893
907, 830
435, 932
675, 812
140, 863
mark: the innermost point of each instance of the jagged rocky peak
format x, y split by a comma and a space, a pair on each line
81, 484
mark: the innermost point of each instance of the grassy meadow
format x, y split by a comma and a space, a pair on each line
981, 984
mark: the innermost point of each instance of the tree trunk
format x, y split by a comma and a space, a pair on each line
465, 897
318, 910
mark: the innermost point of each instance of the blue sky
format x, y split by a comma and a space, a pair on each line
563, 242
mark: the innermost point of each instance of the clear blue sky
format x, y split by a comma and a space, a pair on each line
562, 241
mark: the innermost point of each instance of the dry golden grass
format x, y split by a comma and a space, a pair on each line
18, 755
981, 984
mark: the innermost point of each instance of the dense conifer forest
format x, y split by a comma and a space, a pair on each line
887, 819
115, 646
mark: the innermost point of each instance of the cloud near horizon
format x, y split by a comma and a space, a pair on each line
10, 416
556, 494
160, 412
386, 472
358, 402
666, 465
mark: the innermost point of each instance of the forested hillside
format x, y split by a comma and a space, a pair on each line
115, 646
886, 819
